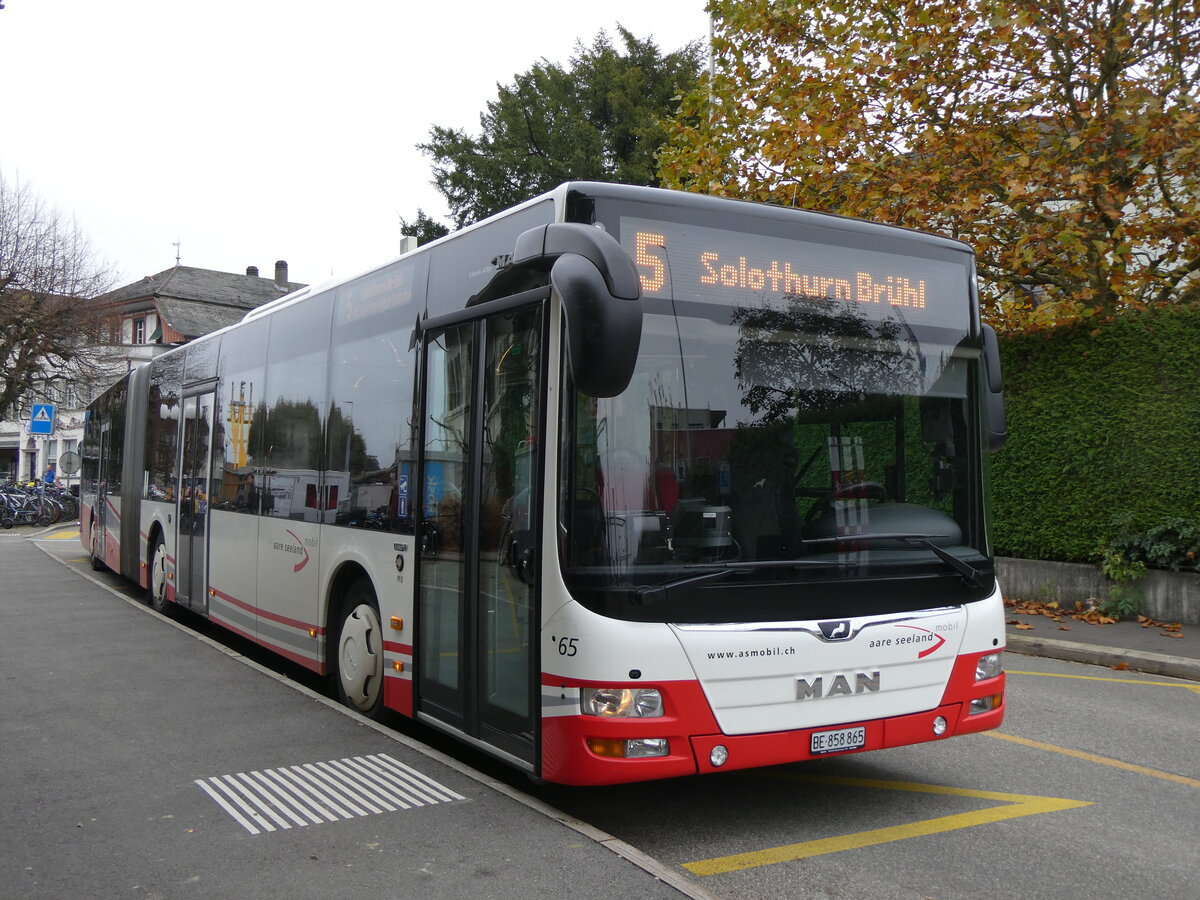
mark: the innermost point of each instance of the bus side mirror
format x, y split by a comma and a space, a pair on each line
601, 299
997, 420
603, 331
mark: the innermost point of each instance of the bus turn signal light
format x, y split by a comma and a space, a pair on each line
986, 704
635, 748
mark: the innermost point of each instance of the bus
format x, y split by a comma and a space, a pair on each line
619, 484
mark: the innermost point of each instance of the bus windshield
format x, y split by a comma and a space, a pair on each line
790, 440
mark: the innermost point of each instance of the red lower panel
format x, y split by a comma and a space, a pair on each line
749, 751
398, 695
566, 758
692, 733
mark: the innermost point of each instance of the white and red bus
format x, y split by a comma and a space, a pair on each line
619, 484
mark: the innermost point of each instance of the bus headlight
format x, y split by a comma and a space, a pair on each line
640, 703
988, 666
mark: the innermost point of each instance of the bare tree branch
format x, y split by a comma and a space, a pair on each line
49, 275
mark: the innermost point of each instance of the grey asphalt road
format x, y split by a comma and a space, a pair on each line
1088, 790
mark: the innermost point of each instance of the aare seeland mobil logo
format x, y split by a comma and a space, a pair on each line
928, 641
296, 547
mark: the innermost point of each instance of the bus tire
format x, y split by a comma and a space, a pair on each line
156, 578
358, 651
94, 552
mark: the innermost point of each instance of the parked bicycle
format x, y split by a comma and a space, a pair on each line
31, 504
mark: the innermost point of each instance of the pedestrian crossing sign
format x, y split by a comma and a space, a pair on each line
42, 420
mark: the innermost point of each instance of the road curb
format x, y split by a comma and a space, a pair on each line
1137, 660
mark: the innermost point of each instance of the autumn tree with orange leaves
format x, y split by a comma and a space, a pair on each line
1060, 139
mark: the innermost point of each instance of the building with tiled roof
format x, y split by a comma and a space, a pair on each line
147, 317
183, 303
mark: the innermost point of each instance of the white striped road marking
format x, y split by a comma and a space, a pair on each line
313, 793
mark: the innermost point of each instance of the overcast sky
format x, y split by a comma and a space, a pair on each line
258, 130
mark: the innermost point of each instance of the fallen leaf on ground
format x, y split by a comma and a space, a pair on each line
1088, 613
1024, 627
1120, 667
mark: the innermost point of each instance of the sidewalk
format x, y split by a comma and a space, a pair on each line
1123, 645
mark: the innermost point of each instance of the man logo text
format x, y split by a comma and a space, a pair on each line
838, 685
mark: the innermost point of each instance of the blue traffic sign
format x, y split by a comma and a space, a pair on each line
42, 420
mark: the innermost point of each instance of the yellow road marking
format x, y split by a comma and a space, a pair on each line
62, 536
1017, 805
1099, 760
1188, 687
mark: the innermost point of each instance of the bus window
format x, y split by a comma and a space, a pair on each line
241, 414
370, 430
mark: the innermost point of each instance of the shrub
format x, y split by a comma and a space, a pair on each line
1104, 425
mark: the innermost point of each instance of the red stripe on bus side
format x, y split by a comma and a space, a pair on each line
240, 604
294, 623
307, 662
264, 614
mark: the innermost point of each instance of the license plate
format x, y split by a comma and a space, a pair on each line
841, 739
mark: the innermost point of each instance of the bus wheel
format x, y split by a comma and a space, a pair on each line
359, 649
156, 583
97, 560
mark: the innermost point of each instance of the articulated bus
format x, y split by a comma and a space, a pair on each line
619, 484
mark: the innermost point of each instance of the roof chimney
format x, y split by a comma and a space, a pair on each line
252, 270
281, 278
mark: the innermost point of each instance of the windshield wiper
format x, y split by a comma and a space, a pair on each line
654, 593
968, 572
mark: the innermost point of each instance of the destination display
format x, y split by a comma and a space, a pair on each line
689, 262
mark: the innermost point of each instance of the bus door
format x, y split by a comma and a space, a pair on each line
191, 548
100, 513
478, 502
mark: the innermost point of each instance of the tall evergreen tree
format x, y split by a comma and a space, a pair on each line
601, 118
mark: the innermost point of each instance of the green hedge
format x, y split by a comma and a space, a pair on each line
1104, 434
